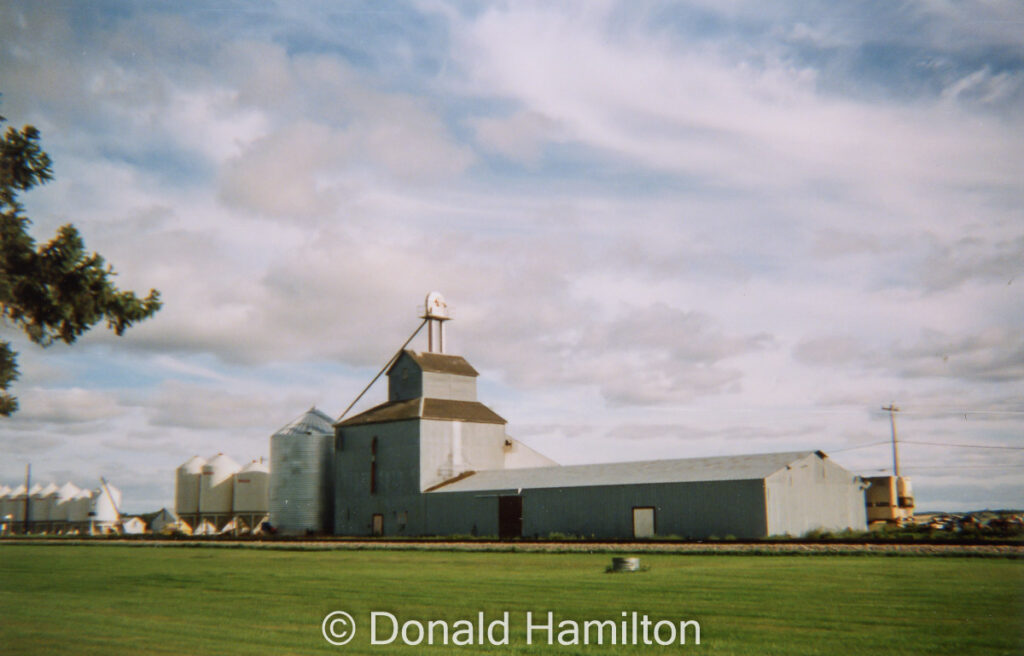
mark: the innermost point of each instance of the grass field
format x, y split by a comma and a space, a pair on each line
178, 600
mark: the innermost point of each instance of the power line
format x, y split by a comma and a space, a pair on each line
966, 446
959, 446
925, 411
860, 446
916, 467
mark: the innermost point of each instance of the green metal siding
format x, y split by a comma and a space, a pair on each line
397, 480
686, 510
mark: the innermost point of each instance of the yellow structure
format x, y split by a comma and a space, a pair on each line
890, 499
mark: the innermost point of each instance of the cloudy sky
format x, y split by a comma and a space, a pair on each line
666, 230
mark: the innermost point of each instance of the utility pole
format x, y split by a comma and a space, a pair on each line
28, 483
892, 410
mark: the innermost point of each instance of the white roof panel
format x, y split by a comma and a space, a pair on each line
721, 468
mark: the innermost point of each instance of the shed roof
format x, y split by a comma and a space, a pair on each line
689, 470
440, 363
424, 408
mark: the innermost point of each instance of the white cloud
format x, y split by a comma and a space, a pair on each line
520, 137
204, 407
65, 406
995, 355
756, 123
282, 174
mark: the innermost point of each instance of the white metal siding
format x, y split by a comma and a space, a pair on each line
252, 485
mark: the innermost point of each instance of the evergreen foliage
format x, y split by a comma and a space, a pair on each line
54, 291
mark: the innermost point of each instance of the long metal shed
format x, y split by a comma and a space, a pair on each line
748, 496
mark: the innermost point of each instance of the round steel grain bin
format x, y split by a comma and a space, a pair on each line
60, 509
216, 486
301, 475
16, 503
39, 504
79, 507
252, 486
5, 496
186, 486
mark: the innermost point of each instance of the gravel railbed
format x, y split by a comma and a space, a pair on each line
751, 548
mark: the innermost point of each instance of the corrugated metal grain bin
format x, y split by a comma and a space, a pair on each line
5, 493
16, 503
186, 486
301, 475
78, 512
216, 486
252, 485
39, 504
6, 513
60, 510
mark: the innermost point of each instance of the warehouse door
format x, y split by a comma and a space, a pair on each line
510, 517
378, 524
643, 522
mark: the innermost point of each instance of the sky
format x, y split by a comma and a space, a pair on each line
665, 230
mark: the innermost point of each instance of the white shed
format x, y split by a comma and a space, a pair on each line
166, 522
133, 526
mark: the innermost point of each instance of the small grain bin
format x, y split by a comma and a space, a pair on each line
6, 516
60, 508
16, 503
251, 494
5, 493
186, 489
216, 489
78, 512
39, 507
301, 475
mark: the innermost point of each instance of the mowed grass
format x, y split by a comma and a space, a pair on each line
174, 600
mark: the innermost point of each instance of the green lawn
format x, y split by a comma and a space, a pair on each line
177, 600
